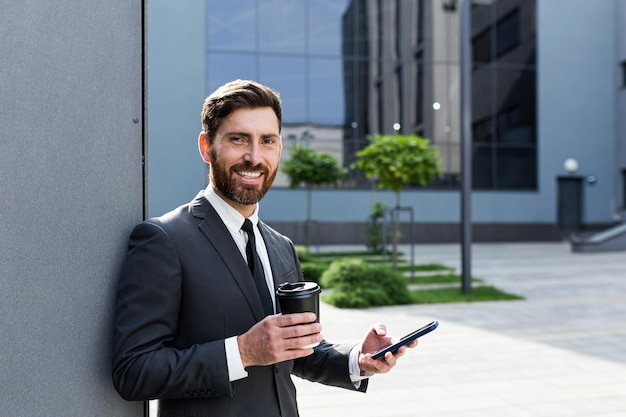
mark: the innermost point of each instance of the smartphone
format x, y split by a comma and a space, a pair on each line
406, 339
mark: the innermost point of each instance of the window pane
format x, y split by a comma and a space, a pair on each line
481, 47
288, 77
281, 26
507, 33
516, 168
482, 167
325, 18
223, 67
231, 25
516, 106
326, 92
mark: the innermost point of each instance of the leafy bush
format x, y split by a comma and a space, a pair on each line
375, 236
312, 271
357, 284
303, 254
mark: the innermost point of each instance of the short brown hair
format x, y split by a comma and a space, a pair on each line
235, 95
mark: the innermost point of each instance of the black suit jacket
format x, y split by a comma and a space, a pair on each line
184, 289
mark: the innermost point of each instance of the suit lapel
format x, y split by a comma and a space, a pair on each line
273, 255
220, 238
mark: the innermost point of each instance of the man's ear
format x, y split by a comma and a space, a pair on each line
203, 147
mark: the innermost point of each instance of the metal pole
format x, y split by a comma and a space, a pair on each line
466, 142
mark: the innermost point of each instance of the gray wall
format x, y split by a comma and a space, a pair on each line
70, 188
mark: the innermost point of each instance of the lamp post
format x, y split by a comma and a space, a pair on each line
466, 143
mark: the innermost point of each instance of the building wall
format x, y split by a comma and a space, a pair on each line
577, 118
620, 108
576, 79
71, 111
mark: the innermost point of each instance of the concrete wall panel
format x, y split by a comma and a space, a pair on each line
71, 186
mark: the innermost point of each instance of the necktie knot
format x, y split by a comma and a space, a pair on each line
247, 226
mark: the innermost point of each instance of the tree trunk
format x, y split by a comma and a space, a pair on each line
396, 232
307, 232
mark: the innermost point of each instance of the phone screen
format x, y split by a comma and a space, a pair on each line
407, 339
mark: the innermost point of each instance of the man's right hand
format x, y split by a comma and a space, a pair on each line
279, 338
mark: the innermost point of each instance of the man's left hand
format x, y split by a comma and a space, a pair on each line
375, 340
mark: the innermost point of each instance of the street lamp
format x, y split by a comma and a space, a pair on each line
466, 143
465, 39
570, 165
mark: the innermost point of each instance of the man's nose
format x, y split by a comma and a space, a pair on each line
253, 152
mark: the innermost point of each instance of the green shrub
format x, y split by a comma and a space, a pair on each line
357, 284
312, 271
303, 254
375, 228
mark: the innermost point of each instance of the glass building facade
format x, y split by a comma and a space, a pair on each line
347, 69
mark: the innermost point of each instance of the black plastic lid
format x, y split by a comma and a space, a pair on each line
298, 289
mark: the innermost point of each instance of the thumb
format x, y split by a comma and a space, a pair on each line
380, 329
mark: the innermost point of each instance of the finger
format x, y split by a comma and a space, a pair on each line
380, 329
300, 330
296, 353
400, 352
309, 342
412, 344
382, 365
390, 359
292, 319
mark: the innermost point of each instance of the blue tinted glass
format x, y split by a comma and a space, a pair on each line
231, 25
281, 26
222, 67
355, 67
324, 26
326, 92
287, 76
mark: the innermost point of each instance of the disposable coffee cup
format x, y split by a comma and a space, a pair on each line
298, 297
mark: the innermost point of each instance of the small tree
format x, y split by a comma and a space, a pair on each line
398, 161
375, 238
312, 169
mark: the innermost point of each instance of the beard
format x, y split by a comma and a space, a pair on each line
225, 182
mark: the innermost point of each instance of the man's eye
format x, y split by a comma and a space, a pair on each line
237, 139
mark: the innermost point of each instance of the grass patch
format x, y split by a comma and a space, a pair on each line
423, 267
437, 279
455, 295
433, 267
360, 294
355, 254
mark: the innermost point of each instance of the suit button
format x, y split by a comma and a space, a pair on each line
276, 368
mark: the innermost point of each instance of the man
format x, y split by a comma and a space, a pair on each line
190, 327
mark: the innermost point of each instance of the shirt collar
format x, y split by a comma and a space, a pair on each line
231, 217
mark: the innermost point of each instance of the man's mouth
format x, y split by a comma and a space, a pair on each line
249, 174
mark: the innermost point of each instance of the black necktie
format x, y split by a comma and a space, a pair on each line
254, 263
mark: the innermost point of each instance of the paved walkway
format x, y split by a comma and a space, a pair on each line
559, 352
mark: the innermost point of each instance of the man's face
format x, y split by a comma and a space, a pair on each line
244, 156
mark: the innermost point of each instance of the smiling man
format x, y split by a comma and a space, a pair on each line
192, 327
